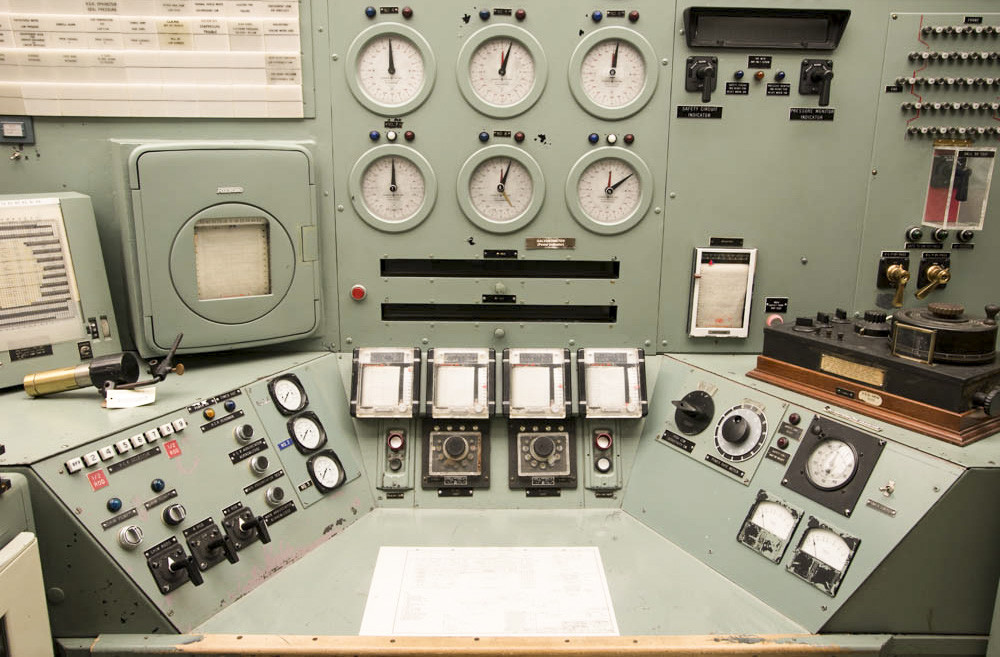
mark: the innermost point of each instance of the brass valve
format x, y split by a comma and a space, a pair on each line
936, 275
898, 276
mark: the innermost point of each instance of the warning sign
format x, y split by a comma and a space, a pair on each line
172, 448
98, 480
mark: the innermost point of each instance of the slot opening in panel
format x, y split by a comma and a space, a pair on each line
418, 267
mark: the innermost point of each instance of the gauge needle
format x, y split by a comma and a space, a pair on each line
504, 58
392, 65
614, 58
392, 177
611, 188
502, 187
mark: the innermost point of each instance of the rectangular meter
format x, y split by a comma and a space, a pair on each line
613, 382
460, 382
382, 382
721, 290
536, 383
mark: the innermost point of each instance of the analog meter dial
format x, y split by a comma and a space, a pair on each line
769, 526
390, 68
307, 432
827, 546
831, 464
823, 556
501, 70
613, 72
608, 190
392, 188
288, 394
501, 188
325, 470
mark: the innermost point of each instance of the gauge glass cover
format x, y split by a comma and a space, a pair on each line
775, 518
325, 471
613, 73
827, 546
502, 72
609, 191
390, 69
288, 394
393, 189
501, 189
832, 464
307, 432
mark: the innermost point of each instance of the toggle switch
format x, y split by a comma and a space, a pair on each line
816, 78
936, 276
702, 73
898, 275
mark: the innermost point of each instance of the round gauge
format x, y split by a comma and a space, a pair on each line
307, 432
775, 518
288, 394
740, 432
393, 188
827, 546
608, 190
501, 188
613, 72
325, 470
501, 70
831, 464
390, 68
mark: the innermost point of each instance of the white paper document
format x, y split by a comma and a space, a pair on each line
489, 591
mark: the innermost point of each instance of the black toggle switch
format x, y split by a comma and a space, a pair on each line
816, 78
702, 74
226, 545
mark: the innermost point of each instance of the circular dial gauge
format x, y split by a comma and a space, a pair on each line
831, 464
393, 188
325, 470
740, 433
774, 518
827, 546
501, 189
307, 432
390, 68
613, 73
288, 394
502, 72
609, 191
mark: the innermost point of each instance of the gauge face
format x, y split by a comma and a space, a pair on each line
307, 432
501, 189
325, 470
393, 189
827, 546
775, 518
609, 191
288, 394
390, 69
831, 465
502, 72
613, 73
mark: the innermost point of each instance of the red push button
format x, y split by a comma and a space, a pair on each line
358, 292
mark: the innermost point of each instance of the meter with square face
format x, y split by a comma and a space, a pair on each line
382, 382
536, 383
613, 382
461, 384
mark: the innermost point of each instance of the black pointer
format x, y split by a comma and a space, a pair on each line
503, 63
392, 66
503, 179
611, 190
614, 57
392, 179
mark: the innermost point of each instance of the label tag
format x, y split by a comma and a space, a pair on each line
130, 398
172, 449
776, 304
737, 88
699, 112
98, 480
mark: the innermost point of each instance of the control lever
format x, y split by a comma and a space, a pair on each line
190, 565
816, 78
258, 523
898, 276
936, 275
702, 74
226, 544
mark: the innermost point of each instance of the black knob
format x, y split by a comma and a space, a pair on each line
224, 543
875, 316
735, 429
174, 514
991, 313
455, 447
188, 564
988, 401
822, 318
543, 446
256, 523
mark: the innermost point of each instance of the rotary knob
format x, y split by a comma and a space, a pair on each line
243, 433
455, 447
542, 447
735, 429
875, 316
989, 401
174, 514
130, 537
946, 310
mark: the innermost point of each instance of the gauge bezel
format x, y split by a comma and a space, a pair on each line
351, 71
310, 468
415, 158
645, 189
537, 191
472, 44
840, 484
274, 396
635, 40
312, 417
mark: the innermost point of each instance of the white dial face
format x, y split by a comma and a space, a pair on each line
326, 471
502, 72
390, 69
831, 464
501, 189
287, 394
775, 518
609, 191
827, 546
392, 188
307, 433
613, 73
